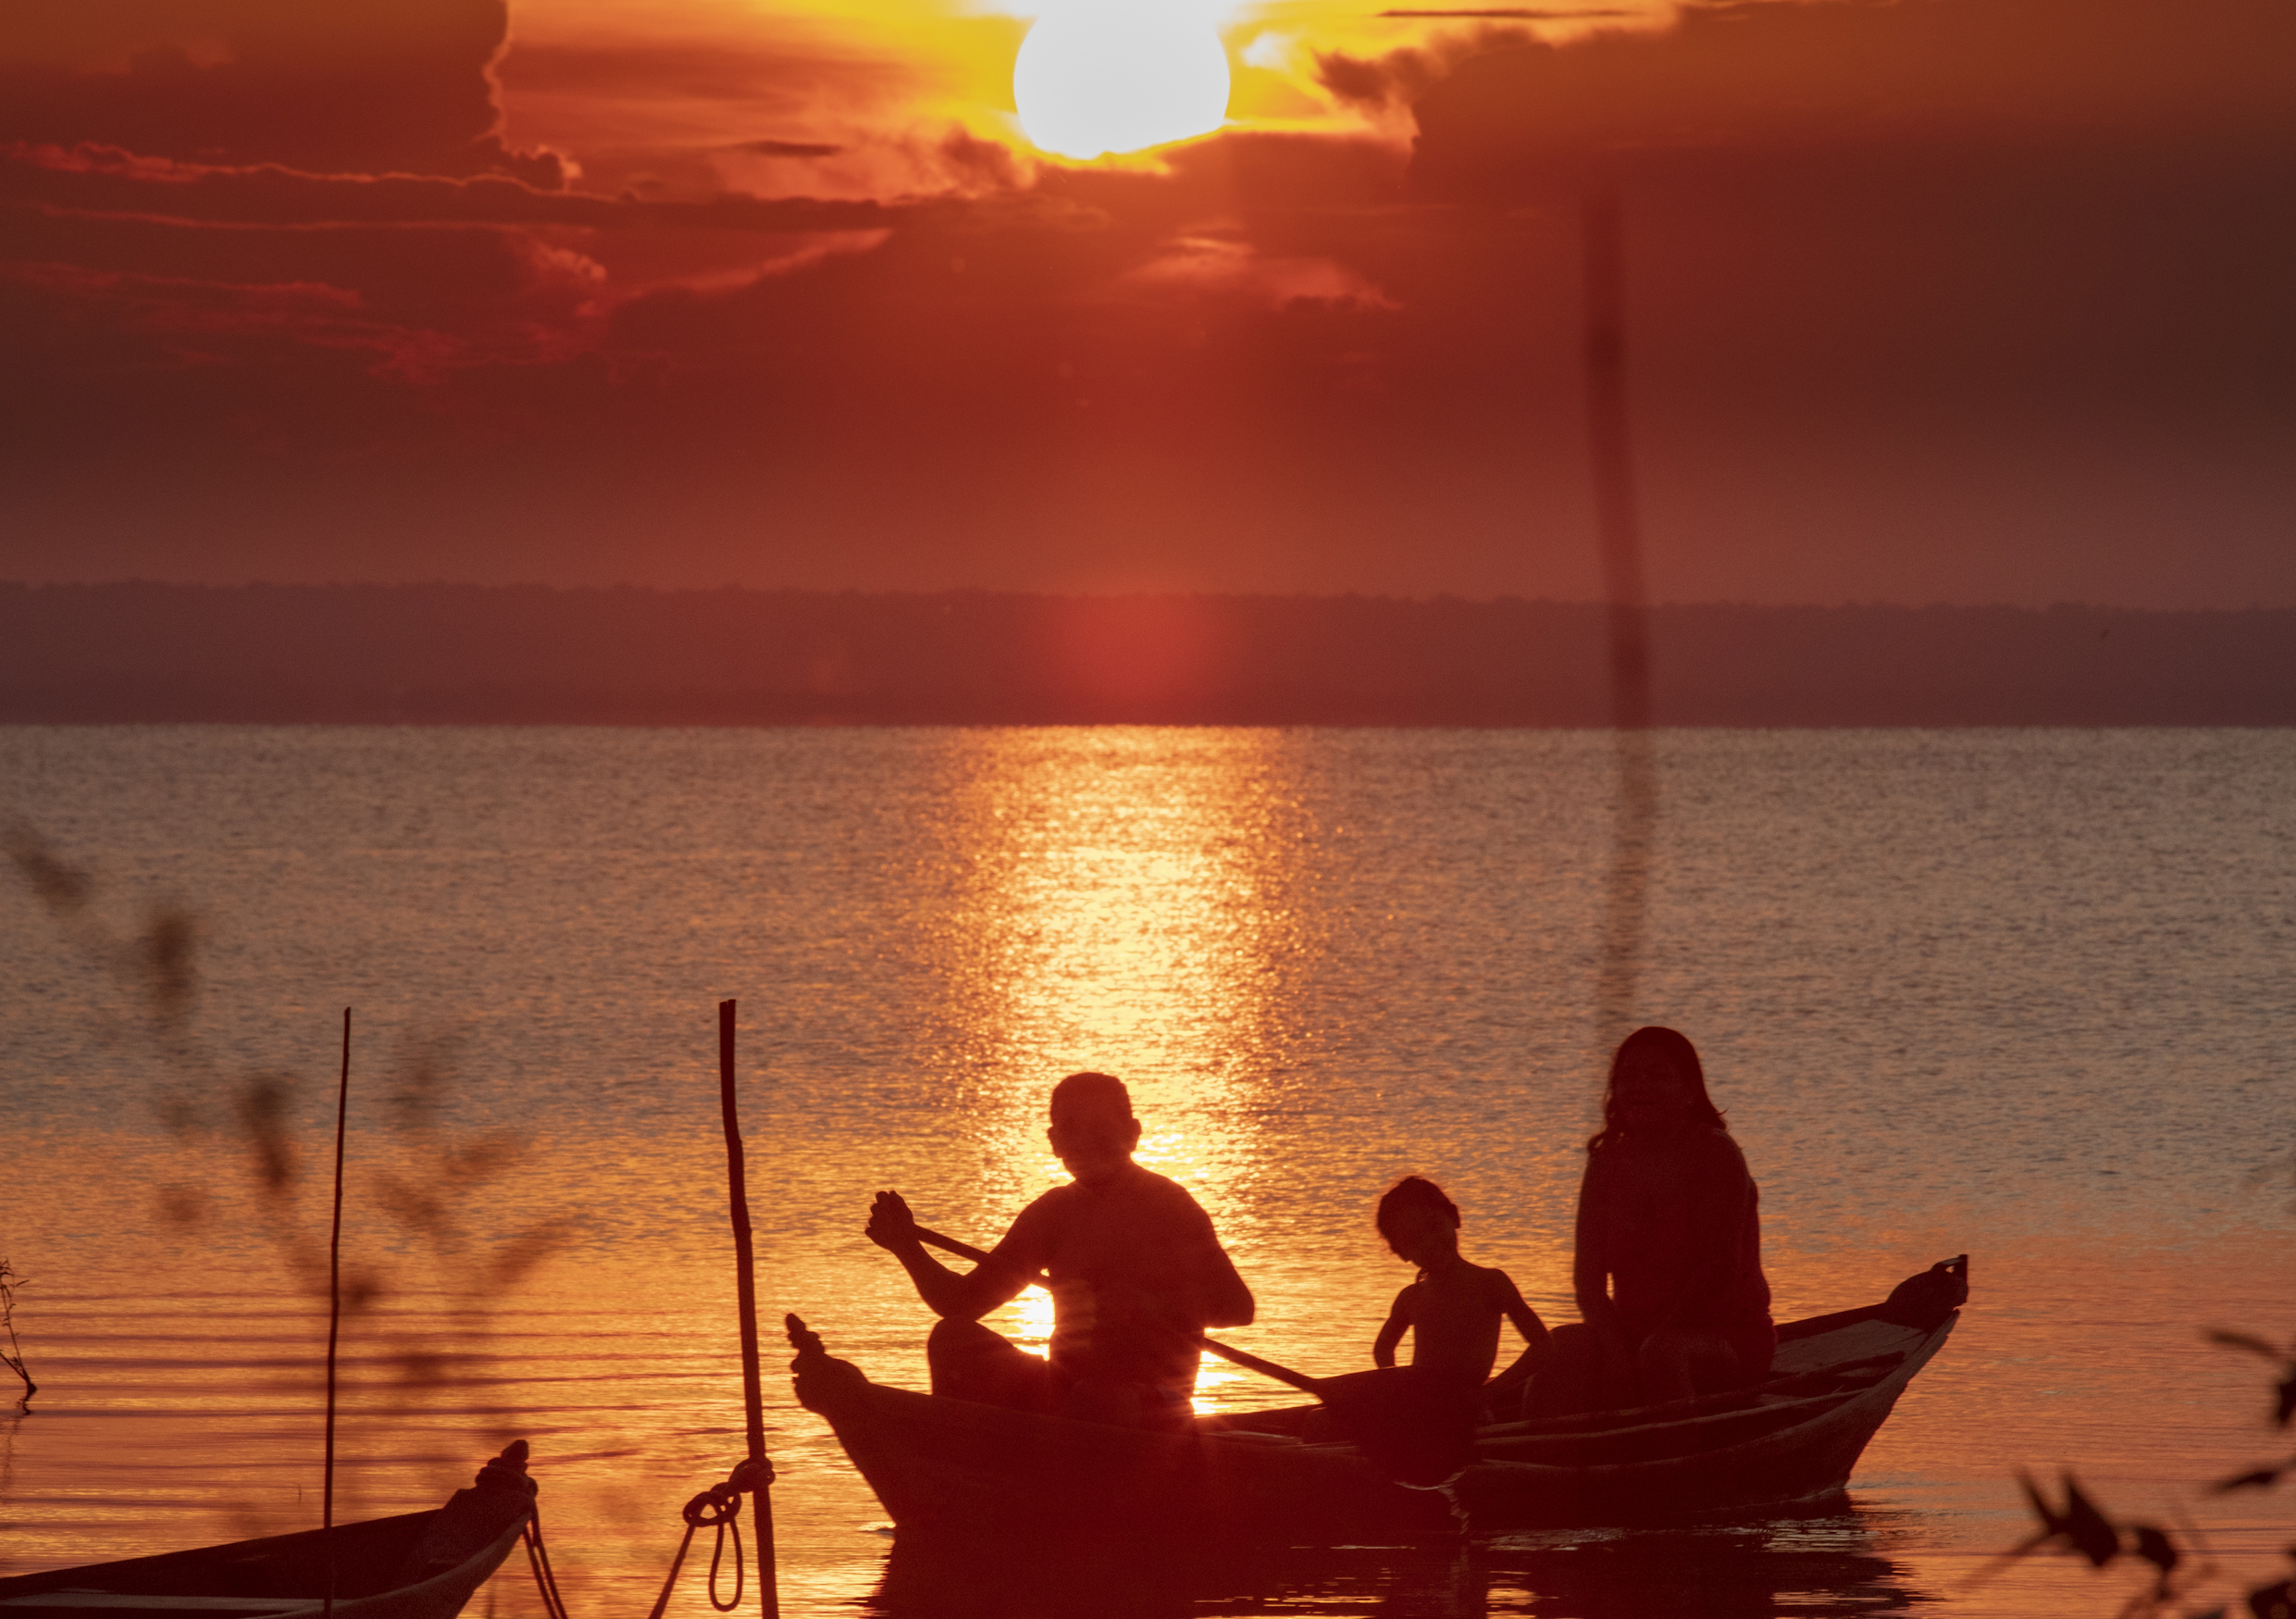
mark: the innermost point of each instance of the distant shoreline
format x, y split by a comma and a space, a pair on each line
473, 654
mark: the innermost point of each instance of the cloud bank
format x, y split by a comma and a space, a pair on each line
1931, 301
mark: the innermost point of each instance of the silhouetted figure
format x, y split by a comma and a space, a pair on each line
1668, 1268
1453, 1308
1135, 1270
1417, 1423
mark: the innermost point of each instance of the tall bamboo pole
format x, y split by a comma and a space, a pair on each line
334, 1317
758, 1473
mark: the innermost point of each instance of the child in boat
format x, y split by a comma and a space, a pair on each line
1417, 1423
1453, 1308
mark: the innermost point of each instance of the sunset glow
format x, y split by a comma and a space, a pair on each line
1098, 76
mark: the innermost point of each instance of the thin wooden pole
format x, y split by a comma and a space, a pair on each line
334, 1314
745, 1293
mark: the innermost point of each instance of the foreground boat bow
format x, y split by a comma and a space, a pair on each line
417, 1565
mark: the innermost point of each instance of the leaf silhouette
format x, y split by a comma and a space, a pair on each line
2155, 1546
2087, 1530
2248, 1342
2078, 1525
64, 889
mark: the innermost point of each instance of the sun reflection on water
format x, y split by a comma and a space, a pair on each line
1129, 906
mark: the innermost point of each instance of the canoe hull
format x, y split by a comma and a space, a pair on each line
948, 1467
951, 1468
1802, 1465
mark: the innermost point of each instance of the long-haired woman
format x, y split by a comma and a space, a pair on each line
1669, 1266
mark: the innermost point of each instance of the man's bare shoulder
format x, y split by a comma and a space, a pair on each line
1161, 1191
1143, 1192
1050, 1202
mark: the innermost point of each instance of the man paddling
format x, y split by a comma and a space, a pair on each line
1136, 1272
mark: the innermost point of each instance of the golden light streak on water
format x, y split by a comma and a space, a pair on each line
1127, 930
1126, 911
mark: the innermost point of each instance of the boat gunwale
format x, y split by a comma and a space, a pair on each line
1883, 1393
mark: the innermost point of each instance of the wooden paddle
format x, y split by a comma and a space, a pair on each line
1390, 1419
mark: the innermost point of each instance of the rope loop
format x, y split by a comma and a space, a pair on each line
733, 1526
718, 1504
718, 1507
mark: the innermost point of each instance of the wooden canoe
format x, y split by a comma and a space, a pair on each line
951, 1467
417, 1565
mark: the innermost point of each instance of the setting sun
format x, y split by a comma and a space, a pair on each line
1100, 76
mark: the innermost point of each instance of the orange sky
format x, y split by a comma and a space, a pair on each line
1941, 300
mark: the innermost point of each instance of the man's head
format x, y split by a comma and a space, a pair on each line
1093, 1130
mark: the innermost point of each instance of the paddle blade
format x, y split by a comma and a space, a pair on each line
1417, 1429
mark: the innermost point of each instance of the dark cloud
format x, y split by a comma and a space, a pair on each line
103, 179
1403, 76
786, 148
371, 86
1851, 75
772, 73
688, 117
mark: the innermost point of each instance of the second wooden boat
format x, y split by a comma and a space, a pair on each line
417, 1565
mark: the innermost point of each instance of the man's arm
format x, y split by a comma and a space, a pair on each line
1227, 1301
953, 1297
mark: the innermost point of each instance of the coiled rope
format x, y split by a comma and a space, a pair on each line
718, 1507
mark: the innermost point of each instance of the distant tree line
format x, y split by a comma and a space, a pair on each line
443, 653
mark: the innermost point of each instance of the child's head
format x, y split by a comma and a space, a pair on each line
1417, 1220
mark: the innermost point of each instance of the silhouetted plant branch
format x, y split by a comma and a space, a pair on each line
157, 965
13, 1356
2081, 1526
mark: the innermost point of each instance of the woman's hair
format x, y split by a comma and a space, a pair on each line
1656, 1041
1412, 1192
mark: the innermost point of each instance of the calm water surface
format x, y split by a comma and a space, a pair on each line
2023, 993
